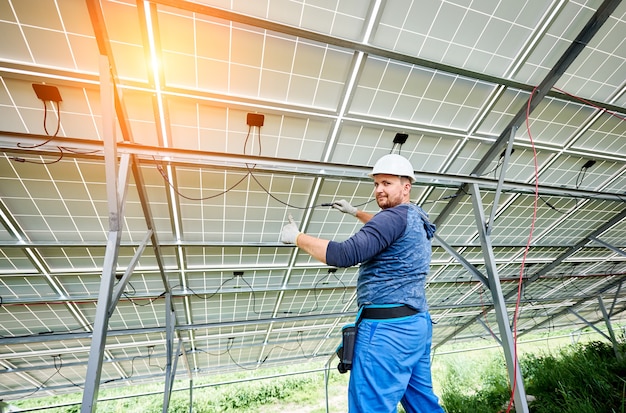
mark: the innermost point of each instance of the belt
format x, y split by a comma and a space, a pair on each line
380, 313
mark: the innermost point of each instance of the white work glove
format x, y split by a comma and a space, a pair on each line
345, 207
290, 232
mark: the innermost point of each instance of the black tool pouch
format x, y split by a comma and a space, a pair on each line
345, 351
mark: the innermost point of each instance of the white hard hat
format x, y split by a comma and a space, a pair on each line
394, 164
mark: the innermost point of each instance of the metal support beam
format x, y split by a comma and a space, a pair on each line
465, 263
609, 327
614, 303
326, 379
170, 369
146, 155
172, 373
121, 285
503, 167
508, 345
609, 246
190, 395
115, 203
589, 323
490, 331
602, 14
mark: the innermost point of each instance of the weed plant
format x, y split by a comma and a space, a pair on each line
582, 378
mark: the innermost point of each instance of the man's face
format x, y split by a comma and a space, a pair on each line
391, 190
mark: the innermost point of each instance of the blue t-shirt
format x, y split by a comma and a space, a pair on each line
394, 249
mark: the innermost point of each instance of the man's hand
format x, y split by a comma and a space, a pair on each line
345, 207
290, 232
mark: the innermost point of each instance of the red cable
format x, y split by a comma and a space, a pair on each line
532, 227
521, 273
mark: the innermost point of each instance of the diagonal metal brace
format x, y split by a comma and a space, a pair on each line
468, 266
121, 285
505, 164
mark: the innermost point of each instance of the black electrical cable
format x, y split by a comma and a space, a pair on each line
209, 353
150, 301
495, 168
74, 151
62, 149
443, 198
150, 351
253, 294
230, 345
45, 128
556, 209
132, 367
45, 115
171, 184
265, 189
24, 160
393, 147
325, 204
299, 346
130, 294
58, 369
50, 332
316, 295
132, 371
245, 144
582, 173
211, 295
250, 173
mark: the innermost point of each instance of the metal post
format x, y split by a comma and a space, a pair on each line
327, 377
506, 336
190, 395
98, 342
609, 327
170, 369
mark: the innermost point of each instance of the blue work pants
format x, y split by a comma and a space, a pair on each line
391, 365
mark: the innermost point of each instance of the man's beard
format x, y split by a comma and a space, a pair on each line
384, 202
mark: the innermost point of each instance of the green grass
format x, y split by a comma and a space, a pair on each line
249, 395
474, 384
581, 378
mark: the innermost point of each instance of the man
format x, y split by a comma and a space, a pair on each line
391, 361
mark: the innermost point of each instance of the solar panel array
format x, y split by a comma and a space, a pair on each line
205, 191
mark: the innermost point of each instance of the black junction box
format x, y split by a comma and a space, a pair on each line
255, 119
47, 92
400, 138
